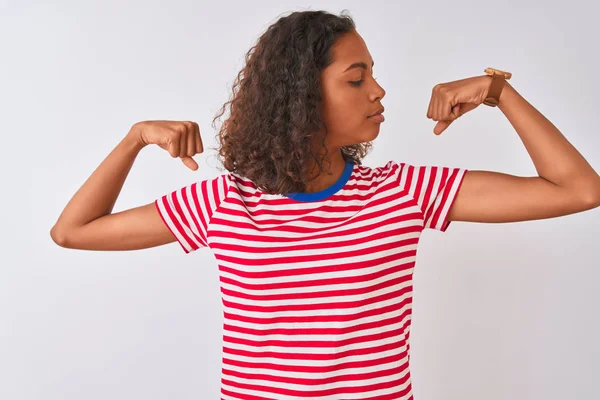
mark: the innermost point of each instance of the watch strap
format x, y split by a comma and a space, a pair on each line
493, 95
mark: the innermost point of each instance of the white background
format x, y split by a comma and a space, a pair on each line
501, 311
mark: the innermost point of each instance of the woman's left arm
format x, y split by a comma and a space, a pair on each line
566, 183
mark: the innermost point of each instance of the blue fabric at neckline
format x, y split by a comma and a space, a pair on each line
323, 194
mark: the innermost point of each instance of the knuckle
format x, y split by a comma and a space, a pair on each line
175, 133
179, 128
440, 88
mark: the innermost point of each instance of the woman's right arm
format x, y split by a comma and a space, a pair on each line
87, 222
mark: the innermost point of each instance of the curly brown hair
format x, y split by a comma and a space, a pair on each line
276, 116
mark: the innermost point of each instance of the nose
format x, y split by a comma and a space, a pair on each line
379, 92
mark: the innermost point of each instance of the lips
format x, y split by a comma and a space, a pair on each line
381, 110
377, 118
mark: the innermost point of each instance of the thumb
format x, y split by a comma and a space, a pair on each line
441, 127
190, 163
457, 111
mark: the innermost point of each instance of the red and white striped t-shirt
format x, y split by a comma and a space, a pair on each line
316, 287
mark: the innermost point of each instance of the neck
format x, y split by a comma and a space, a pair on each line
323, 180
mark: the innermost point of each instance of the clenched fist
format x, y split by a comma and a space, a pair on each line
180, 138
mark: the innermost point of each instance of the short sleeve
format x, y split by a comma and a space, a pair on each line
434, 188
187, 211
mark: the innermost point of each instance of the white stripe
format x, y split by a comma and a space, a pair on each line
163, 210
328, 386
346, 298
321, 312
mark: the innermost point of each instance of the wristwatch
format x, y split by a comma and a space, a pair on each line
498, 79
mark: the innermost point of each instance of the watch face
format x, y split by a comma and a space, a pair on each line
491, 71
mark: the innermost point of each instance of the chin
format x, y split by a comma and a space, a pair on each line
374, 134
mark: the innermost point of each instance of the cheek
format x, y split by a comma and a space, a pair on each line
346, 113
343, 107
345, 122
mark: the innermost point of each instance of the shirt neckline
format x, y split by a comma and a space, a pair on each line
331, 190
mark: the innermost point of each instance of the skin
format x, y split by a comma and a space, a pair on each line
346, 106
566, 183
88, 221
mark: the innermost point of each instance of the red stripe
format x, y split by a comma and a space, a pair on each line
356, 377
317, 369
321, 318
318, 306
313, 343
445, 216
318, 331
368, 351
318, 282
176, 223
313, 258
310, 252
320, 393
433, 211
156, 204
193, 189
243, 396
319, 294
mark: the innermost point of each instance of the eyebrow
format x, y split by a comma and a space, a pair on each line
359, 65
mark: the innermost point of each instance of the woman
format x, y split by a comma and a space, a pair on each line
316, 261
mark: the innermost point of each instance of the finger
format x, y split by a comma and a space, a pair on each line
190, 163
429, 109
435, 100
446, 110
455, 111
441, 108
191, 141
182, 144
441, 127
173, 145
436, 109
199, 146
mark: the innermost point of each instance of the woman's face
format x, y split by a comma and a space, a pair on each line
350, 93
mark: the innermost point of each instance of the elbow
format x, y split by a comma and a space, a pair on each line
595, 202
588, 193
594, 196
59, 236
592, 199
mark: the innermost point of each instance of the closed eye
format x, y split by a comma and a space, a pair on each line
357, 83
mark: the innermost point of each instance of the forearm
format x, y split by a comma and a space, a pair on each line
555, 159
99, 193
